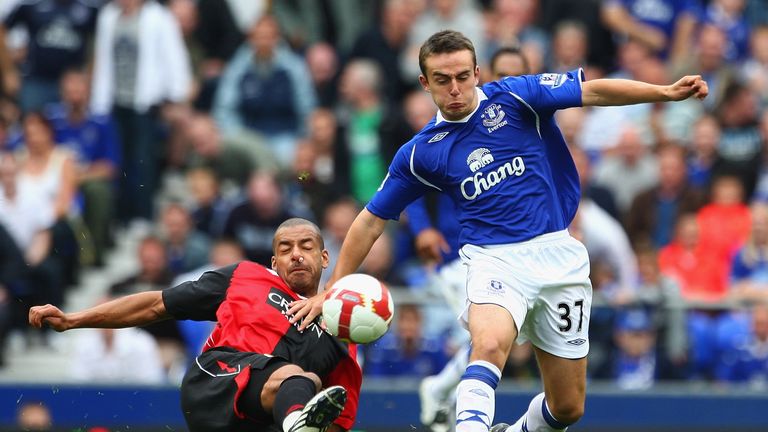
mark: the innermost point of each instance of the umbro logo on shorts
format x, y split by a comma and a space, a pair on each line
577, 342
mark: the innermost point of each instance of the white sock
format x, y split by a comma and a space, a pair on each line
447, 379
538, 418
290, 419
476, 398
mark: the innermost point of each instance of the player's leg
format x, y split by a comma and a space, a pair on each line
294, 398
492, 331
562, 403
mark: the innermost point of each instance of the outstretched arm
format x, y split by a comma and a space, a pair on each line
608, 92
364, 231
130, 311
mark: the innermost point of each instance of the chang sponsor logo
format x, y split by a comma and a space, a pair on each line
474, 186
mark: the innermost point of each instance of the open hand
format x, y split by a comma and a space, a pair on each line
306, 310
687, 86
49, 315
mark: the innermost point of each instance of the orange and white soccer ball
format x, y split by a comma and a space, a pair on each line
358, 309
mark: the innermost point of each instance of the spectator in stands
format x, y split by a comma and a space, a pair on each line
59, 36
747, 361
608, 244
707, 58
29, 274
439, 15
332, 157
512, 23
49, 171
666, 26
229, 161
337, 22
154, 275
741, 142
323, 65
570, 48
521, 364
265, 89
253, 222
374, 127
635, 364
385, 43
703, 158
701, 273
749, 268
660, 295
34, 417
600, 195
186, 248
631, 169
405, 350
139, 63
724, 223
754, 70
210, 208
93, 141
728, 15
337, 219
654, 212
306, 188
117, 356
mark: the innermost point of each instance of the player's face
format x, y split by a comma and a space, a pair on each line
508, 65
299, 258
451, 80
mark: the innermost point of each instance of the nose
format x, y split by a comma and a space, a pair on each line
454, 88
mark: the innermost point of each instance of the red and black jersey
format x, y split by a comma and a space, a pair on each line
250, 304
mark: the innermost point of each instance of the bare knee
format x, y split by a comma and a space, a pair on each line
277, 378
488, 348
566, 411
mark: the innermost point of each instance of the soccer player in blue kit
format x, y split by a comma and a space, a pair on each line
497, 152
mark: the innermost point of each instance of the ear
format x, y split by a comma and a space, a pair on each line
477, 74
326, 260
424, 83
274, 263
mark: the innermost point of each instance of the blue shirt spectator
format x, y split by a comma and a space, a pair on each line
58, 40
406, 351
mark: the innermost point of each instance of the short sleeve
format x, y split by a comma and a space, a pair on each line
199, 300
547, 92
401, 186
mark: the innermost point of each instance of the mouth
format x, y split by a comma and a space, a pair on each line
455, 106
299, 269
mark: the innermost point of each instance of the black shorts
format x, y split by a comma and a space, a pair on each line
213, 385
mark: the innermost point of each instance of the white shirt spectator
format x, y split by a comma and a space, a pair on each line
131, 357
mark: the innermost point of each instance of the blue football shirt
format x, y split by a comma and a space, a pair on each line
506, 165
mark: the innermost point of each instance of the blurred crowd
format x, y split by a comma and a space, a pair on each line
203, 124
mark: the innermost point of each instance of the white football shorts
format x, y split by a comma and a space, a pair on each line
543, 283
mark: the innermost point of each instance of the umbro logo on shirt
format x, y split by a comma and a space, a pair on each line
438, 137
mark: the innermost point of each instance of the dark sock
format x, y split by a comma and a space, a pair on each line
292, 395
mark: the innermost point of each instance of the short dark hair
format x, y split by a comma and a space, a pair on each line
294, 222
445, 42
510, 51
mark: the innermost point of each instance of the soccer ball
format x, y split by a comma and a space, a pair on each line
358, 309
